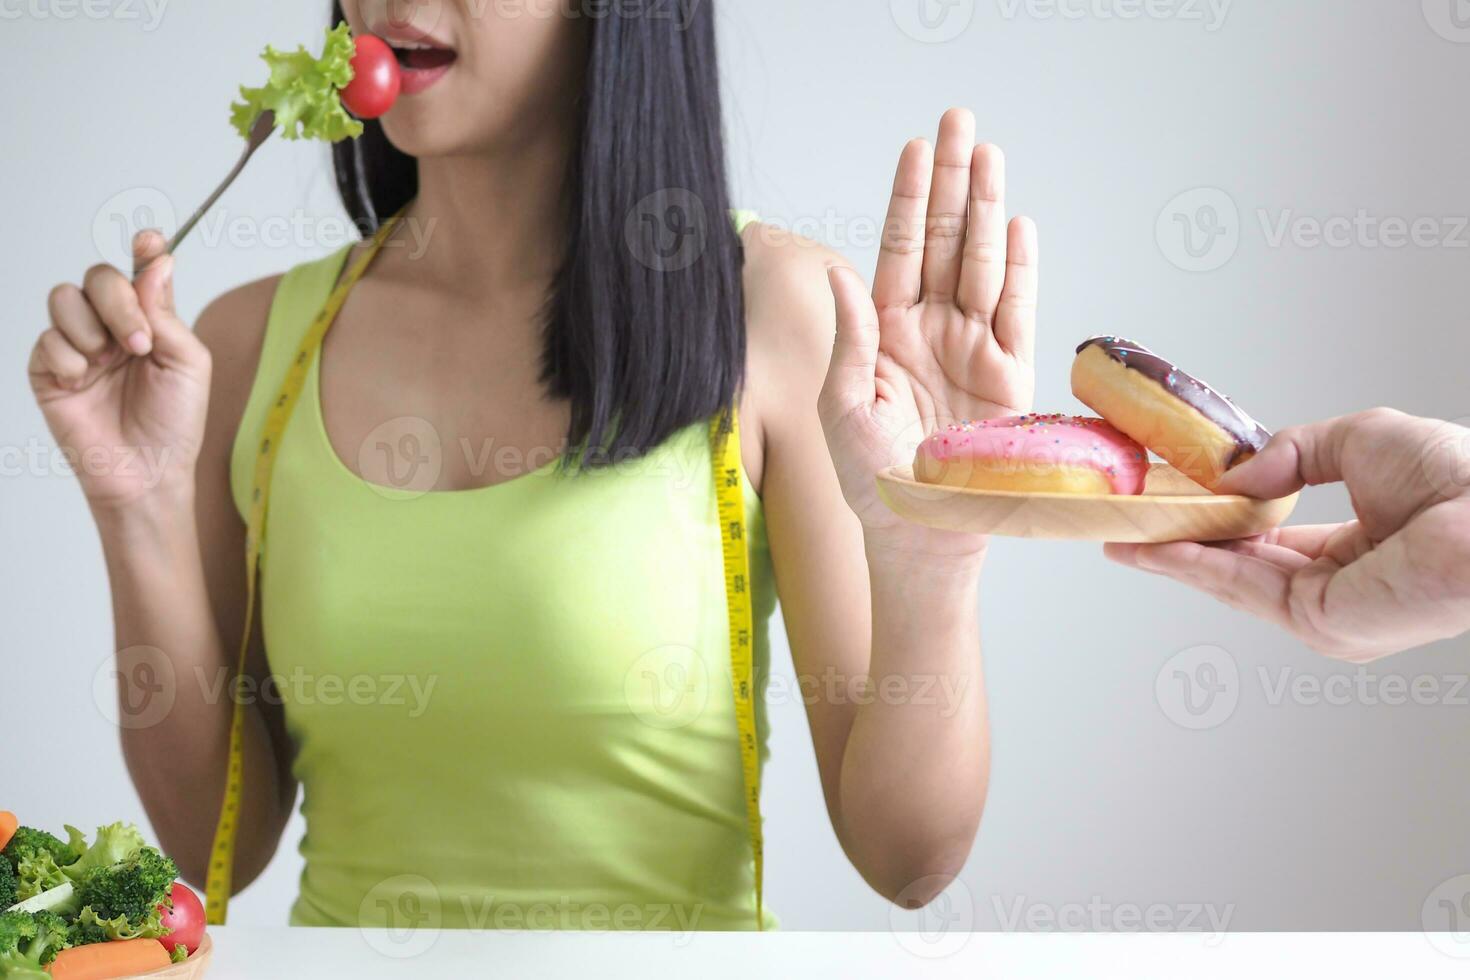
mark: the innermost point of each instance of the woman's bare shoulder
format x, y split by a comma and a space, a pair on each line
790, 317
788, 302
232, 327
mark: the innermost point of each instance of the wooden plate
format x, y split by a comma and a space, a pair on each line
1171, 508
191, 969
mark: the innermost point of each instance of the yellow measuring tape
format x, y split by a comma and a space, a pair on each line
730, 501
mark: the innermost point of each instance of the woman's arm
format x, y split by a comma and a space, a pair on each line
904, 772
124, 383
233, 328
883, 616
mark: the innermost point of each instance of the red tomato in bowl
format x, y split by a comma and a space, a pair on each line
185, 921
375, 79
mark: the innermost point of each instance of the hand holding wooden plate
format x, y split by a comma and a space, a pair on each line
1171, 508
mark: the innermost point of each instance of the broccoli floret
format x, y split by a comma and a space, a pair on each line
8, 886
29, 840
17, 935
33, 862
15, 928
28, 942
115, 843
123, 899
35, 859
86, 929
51, 930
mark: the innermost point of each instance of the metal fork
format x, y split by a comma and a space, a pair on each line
261, 131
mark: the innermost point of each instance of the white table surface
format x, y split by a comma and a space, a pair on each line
243, 953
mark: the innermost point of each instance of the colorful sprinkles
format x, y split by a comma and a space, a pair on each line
1029, 422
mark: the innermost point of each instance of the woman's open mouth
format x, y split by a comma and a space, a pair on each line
421, 62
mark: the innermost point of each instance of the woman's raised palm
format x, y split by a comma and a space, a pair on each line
949, 329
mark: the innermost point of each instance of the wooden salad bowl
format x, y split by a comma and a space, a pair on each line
1172, 507
191, 969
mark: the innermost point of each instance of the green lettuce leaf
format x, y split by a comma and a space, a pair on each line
117, 842
76, 840
90, 928
302, 92
36, 873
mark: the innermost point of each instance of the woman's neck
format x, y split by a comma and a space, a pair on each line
492, 221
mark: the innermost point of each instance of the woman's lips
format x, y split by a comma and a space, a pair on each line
421, 67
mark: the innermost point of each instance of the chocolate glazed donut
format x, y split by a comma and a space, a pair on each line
1196, 429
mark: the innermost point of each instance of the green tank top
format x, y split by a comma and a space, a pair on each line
510, 706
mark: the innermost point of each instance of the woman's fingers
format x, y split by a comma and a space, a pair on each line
75, 319
850, 376
173, 342
901, 256
111, 316
1015, 314
115, 301
949, 200
55, 356
983, 271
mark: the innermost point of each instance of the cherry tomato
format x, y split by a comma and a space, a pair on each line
375, 81
185, 921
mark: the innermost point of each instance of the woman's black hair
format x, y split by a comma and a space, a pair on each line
645, 323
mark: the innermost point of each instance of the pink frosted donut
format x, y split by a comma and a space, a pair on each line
1034, 454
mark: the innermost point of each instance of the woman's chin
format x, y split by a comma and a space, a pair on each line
418, 135
443, 129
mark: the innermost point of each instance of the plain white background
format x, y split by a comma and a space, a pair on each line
1152, 751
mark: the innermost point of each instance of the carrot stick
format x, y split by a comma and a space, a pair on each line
8, 826
104, 961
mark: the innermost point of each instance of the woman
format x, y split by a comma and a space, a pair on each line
529, 601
